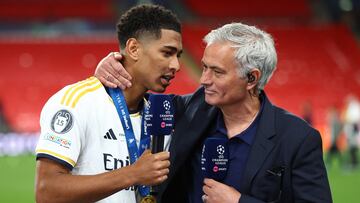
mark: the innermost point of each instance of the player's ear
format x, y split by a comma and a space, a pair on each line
132, 48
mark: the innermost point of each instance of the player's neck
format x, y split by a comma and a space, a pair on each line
133, 96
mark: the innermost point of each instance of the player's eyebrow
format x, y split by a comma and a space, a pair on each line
174, 50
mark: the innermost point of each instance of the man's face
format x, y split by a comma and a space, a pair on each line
220, 78
159, 60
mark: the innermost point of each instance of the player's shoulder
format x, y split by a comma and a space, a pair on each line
72, 101
71, 95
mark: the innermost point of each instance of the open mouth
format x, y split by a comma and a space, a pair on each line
165, 79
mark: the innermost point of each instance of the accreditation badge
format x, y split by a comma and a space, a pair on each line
148, 199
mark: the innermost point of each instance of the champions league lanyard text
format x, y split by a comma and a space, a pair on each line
120, 104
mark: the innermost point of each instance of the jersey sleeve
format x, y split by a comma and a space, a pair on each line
60, 137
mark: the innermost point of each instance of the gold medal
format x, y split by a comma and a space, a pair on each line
148, 199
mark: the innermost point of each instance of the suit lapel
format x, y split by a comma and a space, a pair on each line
262, 145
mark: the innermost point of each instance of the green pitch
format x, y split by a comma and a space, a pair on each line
17, 179
17, 175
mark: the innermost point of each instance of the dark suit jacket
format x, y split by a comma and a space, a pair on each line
285, 163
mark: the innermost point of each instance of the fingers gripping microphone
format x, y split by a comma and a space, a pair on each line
215, 158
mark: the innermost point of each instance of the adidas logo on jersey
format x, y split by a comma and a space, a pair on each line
110, 135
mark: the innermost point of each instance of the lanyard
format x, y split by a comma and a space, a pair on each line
134, 153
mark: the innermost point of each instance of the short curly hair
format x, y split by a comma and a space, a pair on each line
146, 18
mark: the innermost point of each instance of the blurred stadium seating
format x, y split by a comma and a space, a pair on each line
318, 62
35, 68
232, 9
38, 10
47, 44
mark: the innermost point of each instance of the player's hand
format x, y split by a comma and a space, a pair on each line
112, 73
152, 169
216, 192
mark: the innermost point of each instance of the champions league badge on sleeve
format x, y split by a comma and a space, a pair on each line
62, 121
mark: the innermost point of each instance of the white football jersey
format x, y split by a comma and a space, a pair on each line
80, 128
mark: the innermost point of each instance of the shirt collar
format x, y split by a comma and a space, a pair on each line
248, 134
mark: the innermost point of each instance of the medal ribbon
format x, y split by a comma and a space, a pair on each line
134, 153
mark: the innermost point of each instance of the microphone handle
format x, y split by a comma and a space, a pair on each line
157, 146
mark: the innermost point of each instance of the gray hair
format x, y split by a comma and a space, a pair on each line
254, 49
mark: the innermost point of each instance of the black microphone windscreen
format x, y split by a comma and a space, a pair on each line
160, 118
215, 158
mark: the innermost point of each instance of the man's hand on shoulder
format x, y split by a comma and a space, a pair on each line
112, 73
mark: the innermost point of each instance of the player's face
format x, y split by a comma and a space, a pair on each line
159, 60
220, 77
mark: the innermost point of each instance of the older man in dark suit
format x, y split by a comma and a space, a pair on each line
274, 155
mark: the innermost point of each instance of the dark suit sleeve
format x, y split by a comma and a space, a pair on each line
309, 182
180, 103
309, 177
249, 199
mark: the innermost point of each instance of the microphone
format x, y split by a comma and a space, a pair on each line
159, 122
215, 158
